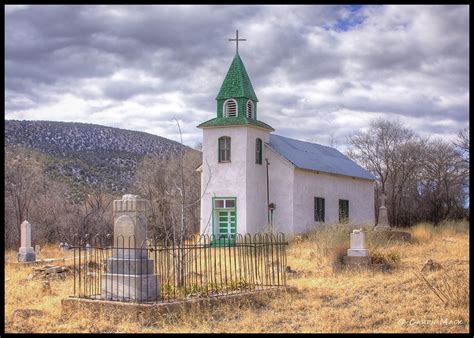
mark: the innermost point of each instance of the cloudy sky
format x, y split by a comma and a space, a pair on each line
320, 72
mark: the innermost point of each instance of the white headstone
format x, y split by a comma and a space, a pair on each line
383, 217
130, 221
357, 244
26, 252
25, 235
130, 255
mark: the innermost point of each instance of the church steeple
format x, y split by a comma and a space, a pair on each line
236, 100
237, 82
236, 93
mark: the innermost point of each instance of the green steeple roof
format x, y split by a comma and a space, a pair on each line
237, 82
234, 121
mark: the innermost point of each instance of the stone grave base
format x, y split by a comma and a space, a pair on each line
357, 253
356, 260
393, 234
26, 257
39, 261
130, 287
149, 312
364, 263
26, 254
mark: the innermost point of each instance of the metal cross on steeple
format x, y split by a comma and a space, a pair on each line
237, 41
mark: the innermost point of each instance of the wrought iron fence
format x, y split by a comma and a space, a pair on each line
163, 271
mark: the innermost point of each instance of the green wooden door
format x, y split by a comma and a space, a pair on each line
227, 225
224, 220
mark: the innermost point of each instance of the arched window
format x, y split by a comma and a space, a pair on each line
249, 109
230, 108
258, 151
224, 149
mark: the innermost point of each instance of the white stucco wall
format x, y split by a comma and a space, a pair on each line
291, 189
256, 182
241, 178
223, 179
309, 184
281, 175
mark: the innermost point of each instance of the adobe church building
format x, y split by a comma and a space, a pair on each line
254, 181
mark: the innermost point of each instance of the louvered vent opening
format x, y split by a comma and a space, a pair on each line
231, 108
249, 109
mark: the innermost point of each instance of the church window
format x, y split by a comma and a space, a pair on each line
319, 209
224, 203
258, 151
343, 211
249, 109
230, 108
224, 149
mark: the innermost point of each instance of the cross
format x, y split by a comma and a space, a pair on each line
237, 41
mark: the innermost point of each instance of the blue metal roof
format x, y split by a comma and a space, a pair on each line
313, 156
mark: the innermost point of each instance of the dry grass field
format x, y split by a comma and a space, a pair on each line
323, 298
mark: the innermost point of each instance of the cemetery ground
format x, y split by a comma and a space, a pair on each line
323, 296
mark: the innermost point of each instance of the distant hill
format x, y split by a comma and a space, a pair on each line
88, 155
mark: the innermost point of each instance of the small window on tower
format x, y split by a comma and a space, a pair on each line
230, 108
258, 151
249, 109
224, 149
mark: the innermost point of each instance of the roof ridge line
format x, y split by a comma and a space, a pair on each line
322, 145
239, 66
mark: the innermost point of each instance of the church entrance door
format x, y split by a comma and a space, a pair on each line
225, 220
227, 227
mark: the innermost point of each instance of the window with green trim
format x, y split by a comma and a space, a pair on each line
250, 109
258, 151
319, 209
230, 108
343, 211
224, 149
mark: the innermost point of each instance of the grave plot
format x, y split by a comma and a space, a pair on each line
130, 268
162, 271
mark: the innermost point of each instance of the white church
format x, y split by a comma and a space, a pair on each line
255, 181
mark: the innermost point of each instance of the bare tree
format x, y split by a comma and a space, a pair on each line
462, 143
174, 188
422, 178
383, 150
442, 181
23, 178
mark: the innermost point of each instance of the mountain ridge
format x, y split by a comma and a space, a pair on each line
56, 136
89, 156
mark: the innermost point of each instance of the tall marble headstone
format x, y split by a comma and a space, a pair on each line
26, 252
383, 217
130, 274
358, 248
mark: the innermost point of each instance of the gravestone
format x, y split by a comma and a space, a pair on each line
357, 254
26, 252
383, 217
130, 274
358, 248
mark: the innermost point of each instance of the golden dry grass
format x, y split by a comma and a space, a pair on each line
324, 300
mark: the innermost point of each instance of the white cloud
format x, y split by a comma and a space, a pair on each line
328, 69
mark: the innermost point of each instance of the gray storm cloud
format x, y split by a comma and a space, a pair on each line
319, 71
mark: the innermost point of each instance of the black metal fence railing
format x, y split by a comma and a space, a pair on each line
163, 271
